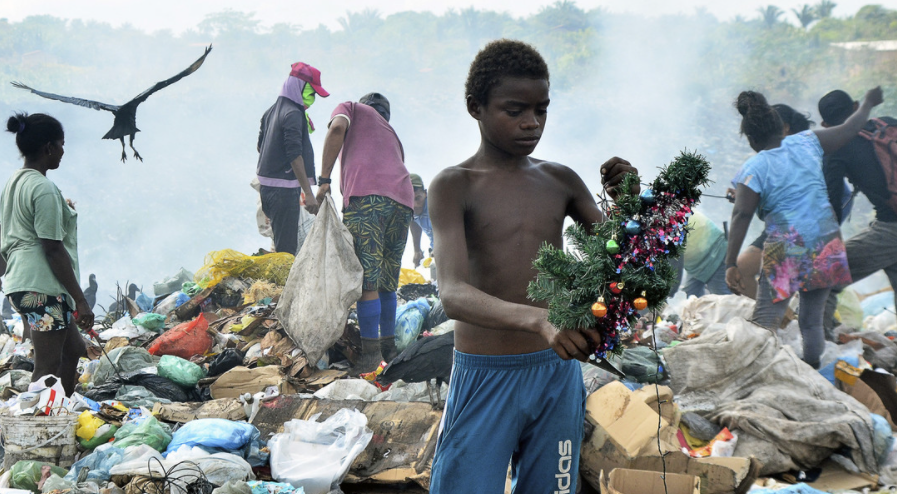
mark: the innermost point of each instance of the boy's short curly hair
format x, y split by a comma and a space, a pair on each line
503, 58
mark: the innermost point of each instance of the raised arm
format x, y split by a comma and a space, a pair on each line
834, 138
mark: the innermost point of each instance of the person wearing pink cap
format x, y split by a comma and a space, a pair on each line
286, 165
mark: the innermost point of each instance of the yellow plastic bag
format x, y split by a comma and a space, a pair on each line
411, 276
223, 263
88, 425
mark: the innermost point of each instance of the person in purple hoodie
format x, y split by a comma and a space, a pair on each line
378, 202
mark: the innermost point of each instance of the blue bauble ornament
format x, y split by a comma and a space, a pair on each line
647, 196
633, 227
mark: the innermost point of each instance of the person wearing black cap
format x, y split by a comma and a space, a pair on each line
286, 165
378, 202
875, 247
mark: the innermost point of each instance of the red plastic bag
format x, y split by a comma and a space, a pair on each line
184, 340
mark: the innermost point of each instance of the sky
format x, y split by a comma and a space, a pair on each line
178, 15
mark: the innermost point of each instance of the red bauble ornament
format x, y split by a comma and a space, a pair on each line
599, 309
616, 288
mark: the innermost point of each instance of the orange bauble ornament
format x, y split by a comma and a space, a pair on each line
599, 309
640, 303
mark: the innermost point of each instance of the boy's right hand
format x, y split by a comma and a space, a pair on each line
874, 97
571, 344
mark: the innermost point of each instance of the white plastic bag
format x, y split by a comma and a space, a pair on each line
324, 282
699, 314
347, 389
317, 455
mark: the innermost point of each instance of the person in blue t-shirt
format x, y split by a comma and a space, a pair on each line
421, 219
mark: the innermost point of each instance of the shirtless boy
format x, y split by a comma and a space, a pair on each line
516, 394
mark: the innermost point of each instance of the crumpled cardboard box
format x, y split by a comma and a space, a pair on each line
241, 380
625, 437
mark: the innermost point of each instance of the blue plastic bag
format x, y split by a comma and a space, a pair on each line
409, 321
99, 462
214, 433
144, 303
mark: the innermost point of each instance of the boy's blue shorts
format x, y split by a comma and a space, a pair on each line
526, 410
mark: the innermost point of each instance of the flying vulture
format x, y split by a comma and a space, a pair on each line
125, 123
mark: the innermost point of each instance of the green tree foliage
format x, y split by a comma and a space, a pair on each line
824, 8
770, 15
806, 15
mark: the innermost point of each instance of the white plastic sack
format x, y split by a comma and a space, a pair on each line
317, 455
699, 313
219, 468
324, 282
347, 389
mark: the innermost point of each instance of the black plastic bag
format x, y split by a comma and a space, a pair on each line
22, 363
157, 385
414, 291
225, 361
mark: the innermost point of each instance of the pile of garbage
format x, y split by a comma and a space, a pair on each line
236, 379
206, 386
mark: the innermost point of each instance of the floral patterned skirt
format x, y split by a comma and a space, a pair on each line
793, 265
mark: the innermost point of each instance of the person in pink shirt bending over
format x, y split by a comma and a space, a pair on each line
378, 202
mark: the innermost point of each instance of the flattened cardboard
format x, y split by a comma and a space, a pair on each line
240, 380
623, 481
835, 478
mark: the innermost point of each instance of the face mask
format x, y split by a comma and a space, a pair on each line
308, 95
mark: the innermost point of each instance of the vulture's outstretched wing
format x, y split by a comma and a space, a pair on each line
96, 105
140, 98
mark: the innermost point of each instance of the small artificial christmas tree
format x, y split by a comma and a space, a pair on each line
623, 267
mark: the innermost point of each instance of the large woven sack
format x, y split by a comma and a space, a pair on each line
324, 282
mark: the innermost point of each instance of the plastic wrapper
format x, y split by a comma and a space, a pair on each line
410, 276
181, 372
127, 359
260, 487
225, 361
26, 474
138, 396
233, 487
214, 433
57, 483
171, 303
150, 321
185, 340
223, 263
103, 435
100, 462
409, 322
150, 432
317, 455
88, 425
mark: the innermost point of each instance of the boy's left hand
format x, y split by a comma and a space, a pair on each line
612, 173
570, 344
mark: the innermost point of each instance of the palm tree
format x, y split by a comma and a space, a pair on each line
770, 15
354, 22
824, 8
806, 15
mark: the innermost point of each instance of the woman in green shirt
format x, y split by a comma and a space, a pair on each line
39, 251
